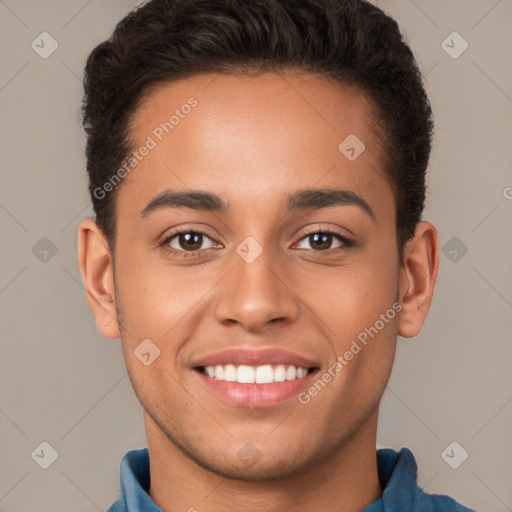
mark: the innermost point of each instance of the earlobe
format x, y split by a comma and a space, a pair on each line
418, 278
95, 262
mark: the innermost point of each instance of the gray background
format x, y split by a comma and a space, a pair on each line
62, 383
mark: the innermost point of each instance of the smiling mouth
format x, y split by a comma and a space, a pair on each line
262, 374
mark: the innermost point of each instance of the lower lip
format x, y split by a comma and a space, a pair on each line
255, 396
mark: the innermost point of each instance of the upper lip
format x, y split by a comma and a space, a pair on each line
241, 356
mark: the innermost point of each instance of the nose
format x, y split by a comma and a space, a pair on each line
257, 293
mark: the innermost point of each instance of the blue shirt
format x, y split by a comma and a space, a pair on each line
397, 475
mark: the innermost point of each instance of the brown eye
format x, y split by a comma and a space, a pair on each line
320, 241
190, 241
187, 241
323, 240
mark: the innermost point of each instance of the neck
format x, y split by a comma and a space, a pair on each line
347, 477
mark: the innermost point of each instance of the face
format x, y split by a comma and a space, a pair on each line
259, 277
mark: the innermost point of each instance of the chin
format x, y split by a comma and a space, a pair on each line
257, 472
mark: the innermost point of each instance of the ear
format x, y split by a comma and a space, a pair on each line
418, 278
95, 261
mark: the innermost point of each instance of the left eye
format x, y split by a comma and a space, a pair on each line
322, 240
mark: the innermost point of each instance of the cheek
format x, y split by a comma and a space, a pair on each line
354, 297
358, 304
153, 296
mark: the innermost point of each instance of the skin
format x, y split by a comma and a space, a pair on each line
252, 141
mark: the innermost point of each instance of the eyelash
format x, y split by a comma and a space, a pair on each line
347, 242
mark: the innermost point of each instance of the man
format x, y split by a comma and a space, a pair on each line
257, 171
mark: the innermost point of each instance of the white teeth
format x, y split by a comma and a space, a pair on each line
291, 373
280, 373
230, 373
301, 372
245, 374
263, 374
219, 372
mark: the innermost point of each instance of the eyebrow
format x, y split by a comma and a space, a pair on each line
300, 200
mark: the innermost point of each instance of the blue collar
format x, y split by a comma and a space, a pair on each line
397, 475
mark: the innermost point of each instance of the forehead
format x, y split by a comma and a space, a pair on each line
249, 136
